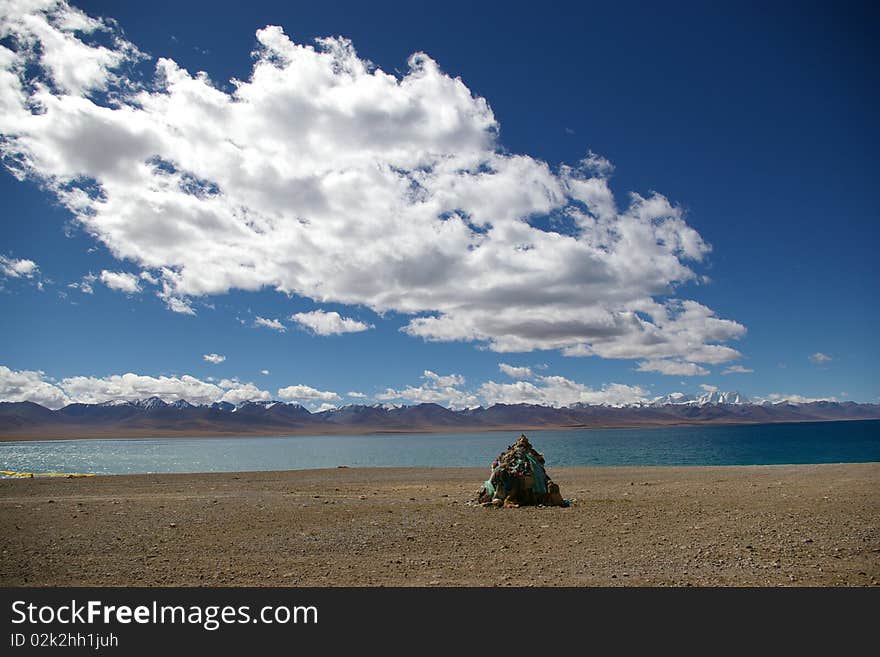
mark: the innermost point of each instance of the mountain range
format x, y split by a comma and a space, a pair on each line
155, 417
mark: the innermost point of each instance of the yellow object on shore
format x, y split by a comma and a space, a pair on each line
31, 475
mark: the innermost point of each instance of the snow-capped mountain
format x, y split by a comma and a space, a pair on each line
387, 407
146, 417
115, 402
149, 404
711, 398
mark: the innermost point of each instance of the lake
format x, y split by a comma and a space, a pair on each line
814, 442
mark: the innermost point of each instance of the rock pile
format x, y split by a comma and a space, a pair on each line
519, 478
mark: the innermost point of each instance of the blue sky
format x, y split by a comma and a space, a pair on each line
446, 232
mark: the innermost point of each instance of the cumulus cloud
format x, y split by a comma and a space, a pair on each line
236, 392
130, 386
737, 369
273, 324
820, 359
177, 305
264, 372
323, 176
355, 395
559, 391
85, 285
448, 396
555, 391
18, 267
515, 372
30, 385
672, 368
215, 359
147, 277
329, 323
121, 281
33, 386
708, 388
440, 380
306, 393
435, 389
797, 399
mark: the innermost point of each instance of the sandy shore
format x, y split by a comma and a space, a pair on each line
761, 525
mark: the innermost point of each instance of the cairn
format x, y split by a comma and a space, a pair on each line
519, 478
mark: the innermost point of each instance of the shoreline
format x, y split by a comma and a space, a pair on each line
99, 433
8, 475
761, 525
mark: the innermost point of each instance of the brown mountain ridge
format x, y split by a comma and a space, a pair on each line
154, 417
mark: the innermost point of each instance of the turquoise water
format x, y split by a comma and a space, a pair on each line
814, 442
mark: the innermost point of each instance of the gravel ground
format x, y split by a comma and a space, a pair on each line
802, 525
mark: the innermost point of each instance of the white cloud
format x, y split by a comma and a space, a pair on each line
264, 372
708, 388
147, 277
242, 392
515, 372
273, 324
302, 392
435, 389
324, 407
130, 386
329, 323
54, 32
399, 197
18, 267
25, 385
597, 165
85, 285
427, 393
797, 399
545, 390
177, 305
30, 385
216, 359
121, 281
559, 391
737, 369
672, 368
443, 381
820, 359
